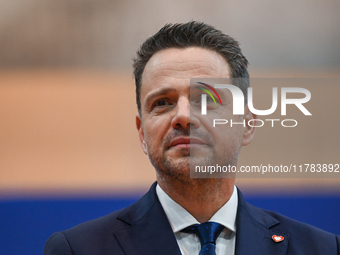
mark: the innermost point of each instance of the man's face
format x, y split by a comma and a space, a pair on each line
169, 132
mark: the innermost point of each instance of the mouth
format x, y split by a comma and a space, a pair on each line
186, 142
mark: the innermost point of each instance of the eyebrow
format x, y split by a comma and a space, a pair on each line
159, 92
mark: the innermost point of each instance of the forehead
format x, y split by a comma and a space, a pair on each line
174, 67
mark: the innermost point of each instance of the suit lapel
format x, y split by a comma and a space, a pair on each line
255, 231
147, 228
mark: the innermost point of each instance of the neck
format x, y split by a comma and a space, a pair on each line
202, 198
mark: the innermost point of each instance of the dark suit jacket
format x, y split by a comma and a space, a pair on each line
143, 228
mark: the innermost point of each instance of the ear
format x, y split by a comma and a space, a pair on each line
141, 133
248, 131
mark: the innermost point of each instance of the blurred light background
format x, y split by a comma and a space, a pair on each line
69, 149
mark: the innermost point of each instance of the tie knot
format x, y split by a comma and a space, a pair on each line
207, 232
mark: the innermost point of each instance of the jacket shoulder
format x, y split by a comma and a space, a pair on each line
302, 236
294, 226
91, 237
97, 236
107, 223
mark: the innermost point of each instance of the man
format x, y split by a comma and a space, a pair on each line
180, 214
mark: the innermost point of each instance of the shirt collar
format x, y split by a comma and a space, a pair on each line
180, 218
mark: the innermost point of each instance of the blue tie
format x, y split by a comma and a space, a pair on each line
207, 232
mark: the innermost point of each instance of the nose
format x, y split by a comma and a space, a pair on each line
182, 117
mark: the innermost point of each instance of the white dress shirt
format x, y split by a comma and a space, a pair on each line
180, 218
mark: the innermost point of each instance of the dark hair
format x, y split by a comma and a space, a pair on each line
191, 34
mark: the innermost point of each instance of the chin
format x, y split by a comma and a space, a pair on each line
176, 153
176, 167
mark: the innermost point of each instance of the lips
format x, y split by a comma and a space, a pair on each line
186, 141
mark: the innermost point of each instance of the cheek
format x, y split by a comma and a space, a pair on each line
156, 130
223, 134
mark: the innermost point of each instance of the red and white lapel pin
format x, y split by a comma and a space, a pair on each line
277, 239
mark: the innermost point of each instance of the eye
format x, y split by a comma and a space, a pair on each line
161, 103
209, 99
